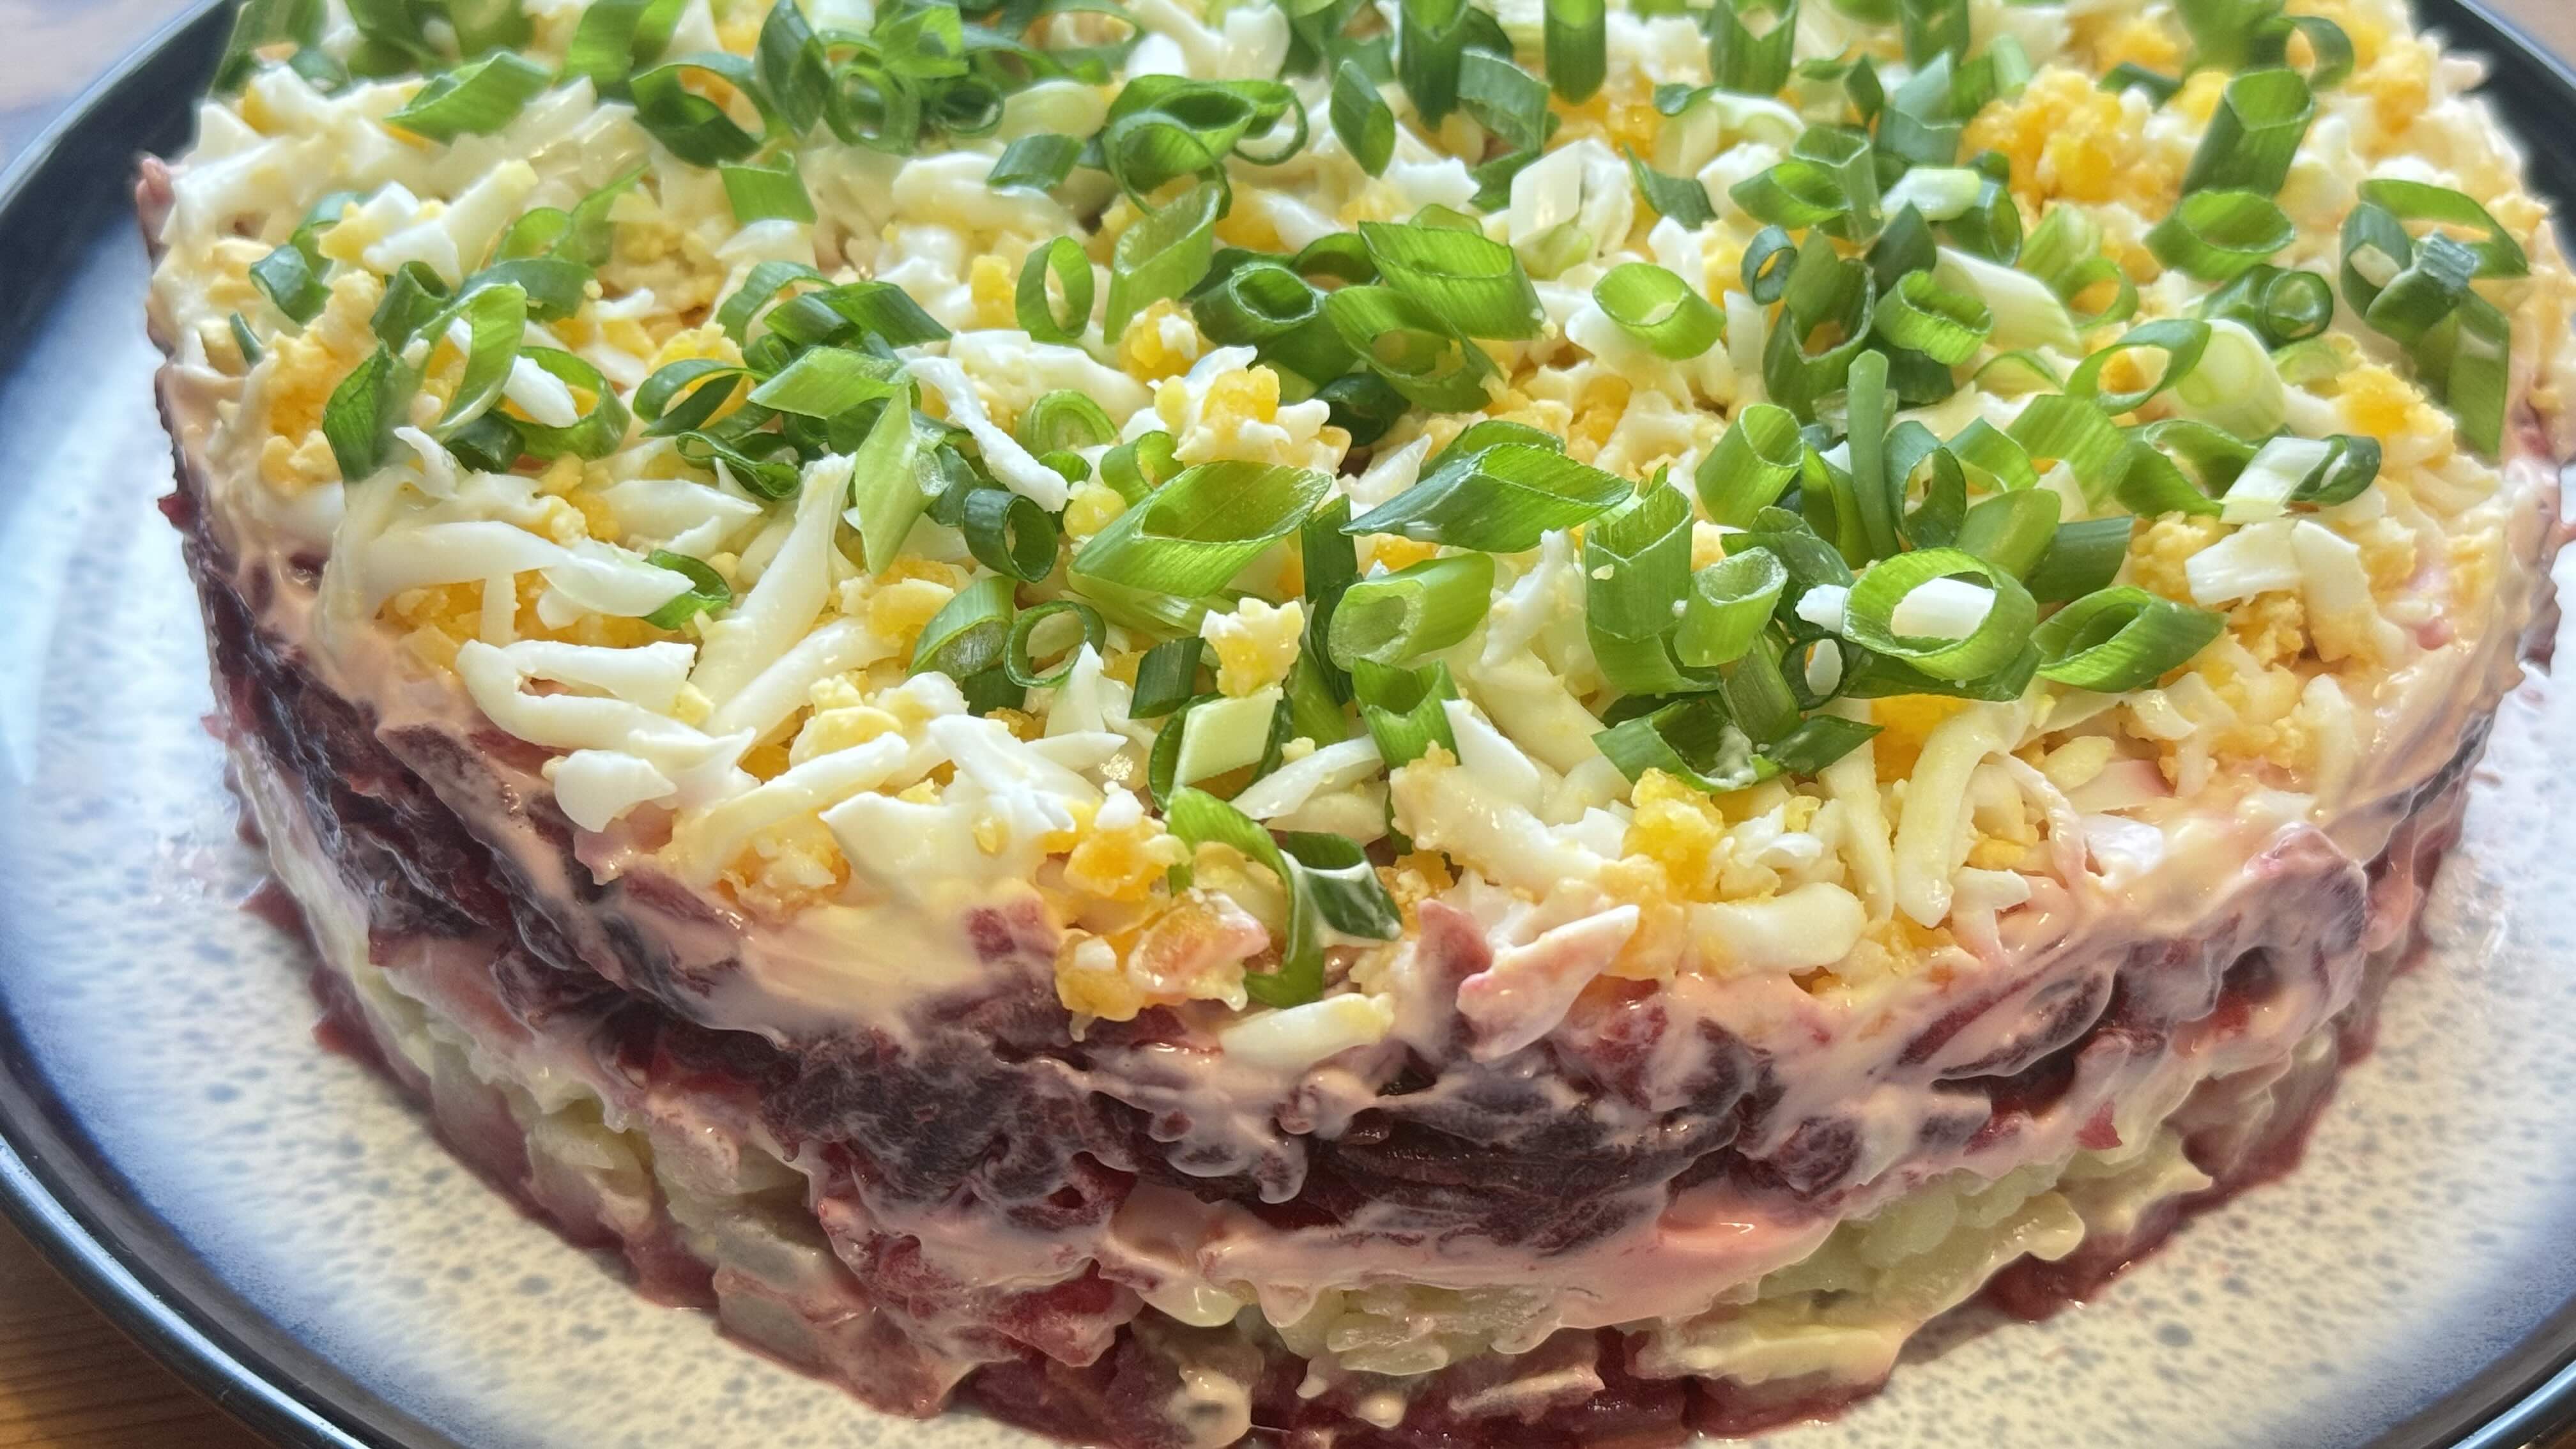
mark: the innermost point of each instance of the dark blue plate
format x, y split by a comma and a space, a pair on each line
271, 1222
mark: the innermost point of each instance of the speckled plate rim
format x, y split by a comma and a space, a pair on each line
66, 1194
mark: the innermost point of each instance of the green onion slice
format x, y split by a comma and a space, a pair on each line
2123, 638
1946, 326
1659, 309
1196, 532
2084, 556
1167, 677
1469, 279
1754, 462
1065, 259
1395, 619
1998, 637
2214, 235
971, 632
1332, 891
707, 590
1023, 671
1162, 255
1041, 161
475, 99
2181, 339
599, 430
1500, 500
2254, 134
1010, 534
1361, 118
1727, 608
1680, 197
1636, 563
1410, 347
1576, 35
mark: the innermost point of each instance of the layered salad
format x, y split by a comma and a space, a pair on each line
1358, 724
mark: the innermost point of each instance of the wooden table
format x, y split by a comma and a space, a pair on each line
69, 1380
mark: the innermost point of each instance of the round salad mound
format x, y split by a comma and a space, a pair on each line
1409, 724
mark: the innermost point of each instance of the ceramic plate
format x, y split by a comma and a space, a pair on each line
273, 1220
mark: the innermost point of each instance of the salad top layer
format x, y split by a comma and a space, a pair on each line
1775, 491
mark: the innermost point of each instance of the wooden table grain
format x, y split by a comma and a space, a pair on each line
68, 1378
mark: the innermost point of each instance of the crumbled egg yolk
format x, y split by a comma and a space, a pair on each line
1093, 507
1125, 862
1169, 961
1680, 830
995, 292
2375, 400
304, 368
2068, 138
1160, 342
1255, 645
2158, 552
1905, 722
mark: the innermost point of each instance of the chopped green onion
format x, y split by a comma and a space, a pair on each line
1636, 564
1137, 468
245, 341
2119, 639
1745, 63
1471, 280
363, 411
2467, 361
2128, 75
1768, 262
1410, 347
825, 382
760, 193
971, 632
2254, 134
475, 99
1395, 619
596, 433
1279, 314
1948, 327
616, 37
2076, 432
1680, 197
840, 316
1727, 608
1062, 419
257, 26
1162, 255
1431, 38
1402, 710
1500, 500
707, 591
1198, 531
1016, 660
496, 320
692, 127
1037, 315
2066, 253
888, 491
759, 287
1222, 735
1331, 888
2084, 556
1830, 299
1870, 614
1010, 534
1041, 161
1576, 32
1167, 677
789, 61
1362, 120
1754, 462
2012, 531
1659, 309
2182, 340
1509, 102
2499, 255
2214, 235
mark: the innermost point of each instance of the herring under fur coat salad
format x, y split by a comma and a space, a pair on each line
1376, 723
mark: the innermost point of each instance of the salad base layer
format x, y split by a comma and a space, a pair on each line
423, 975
